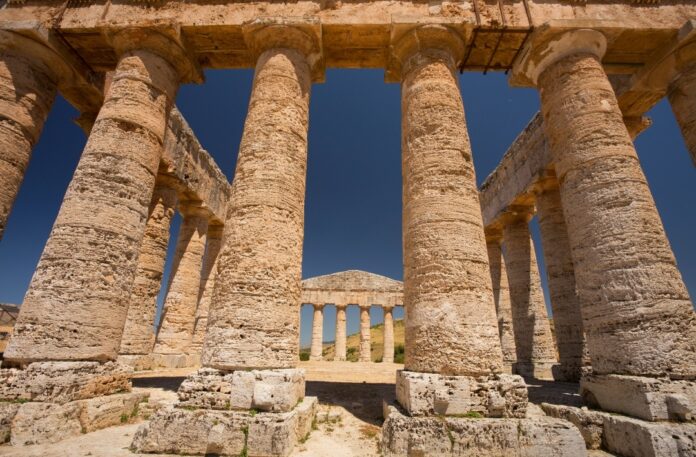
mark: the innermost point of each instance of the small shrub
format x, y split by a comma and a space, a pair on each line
124, 418
304, 356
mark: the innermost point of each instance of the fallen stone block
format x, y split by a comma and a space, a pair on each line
590, 423
101, 412
636, 438
39, 423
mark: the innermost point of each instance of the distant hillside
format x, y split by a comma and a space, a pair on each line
377, 340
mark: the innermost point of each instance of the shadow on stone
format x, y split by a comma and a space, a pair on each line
554, 392
362, 400
164, 382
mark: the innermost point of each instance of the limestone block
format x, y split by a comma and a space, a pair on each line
7, 413
429, 436
136, 362
646, 398
37, 423
242, 396
101, 412
637, 438
61, 382
269, 390
207, 388
432, 394
174, 360
590, 423
225, 433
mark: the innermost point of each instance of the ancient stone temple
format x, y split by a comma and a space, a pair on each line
476, 323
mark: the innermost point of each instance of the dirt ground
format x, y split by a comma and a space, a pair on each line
348, 423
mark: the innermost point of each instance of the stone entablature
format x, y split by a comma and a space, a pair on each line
353, 287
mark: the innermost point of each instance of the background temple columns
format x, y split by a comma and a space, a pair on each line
208, 275
451, 326
175, 332
567, 317
388, 351
28, 81
536, 353
682, 97
501, 296
365, 340
138, 332
340, 332
80, 291
253, 320
637, 314
317, 332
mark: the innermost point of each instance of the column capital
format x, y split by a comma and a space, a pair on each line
215, 231
318, 306
342, 306
409, 40
517, 213
494, 234
193, 208
263, 34
45, 57
166, 42
546, 48
388, 308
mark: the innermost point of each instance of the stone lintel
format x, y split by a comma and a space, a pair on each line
301, 34
651, 399
428, 394
62, 382
213, 432
263, 390
457, 436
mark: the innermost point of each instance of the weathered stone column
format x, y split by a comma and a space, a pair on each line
536, 353
501, 296
317, 332
639, 320
76, 305
138, 333
28, 82
451, 327
682, 98
340, 332
365, 341
567, 317
388, 351
208, 275
175, 332
254, 320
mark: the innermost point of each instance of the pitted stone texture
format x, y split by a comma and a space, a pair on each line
225, 433
638, 317
388, 347
174, 360
365, 340
682, 97
208, 276
536, 353
451, 326
253, 320
340, 333
138, 333
40, 422
317, 332
61, 382
137, 362
444, 436
175, 331
8, 411
27, 91
503, 307
430, 394
77, 302
262, 390
567, 316
590, 423
651, 399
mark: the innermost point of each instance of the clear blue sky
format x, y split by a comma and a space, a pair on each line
353, 212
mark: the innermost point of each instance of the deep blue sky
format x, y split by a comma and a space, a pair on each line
353, 212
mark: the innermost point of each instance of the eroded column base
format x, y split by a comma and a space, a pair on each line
537, 370
623, 435
175, 360
423, 394
256, 412
137, 362
651, 399
407, 436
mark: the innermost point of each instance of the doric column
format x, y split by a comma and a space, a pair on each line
208, 275
175, 332
536, 353
501, 297
317, 332
28, 81
340, 332
637, 314
253, 320
388, 351
365, 342
138, 332
567, 317
682, 97
451, 326
76, 305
